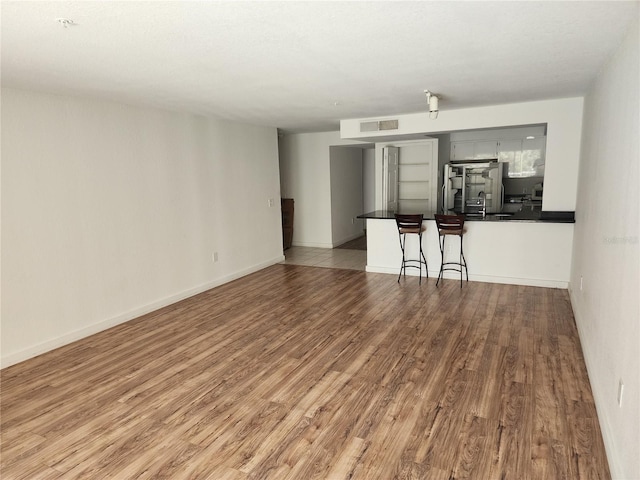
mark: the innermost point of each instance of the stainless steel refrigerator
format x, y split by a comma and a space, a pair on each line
471, 187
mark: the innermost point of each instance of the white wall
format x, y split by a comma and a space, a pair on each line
444, 153
305, 174
305, 177
605, 253
564, 122
368, 180
346, 194
110, 211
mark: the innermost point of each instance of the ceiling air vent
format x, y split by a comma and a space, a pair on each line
388, 124
378, 125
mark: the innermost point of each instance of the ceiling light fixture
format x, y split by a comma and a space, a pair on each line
432, 101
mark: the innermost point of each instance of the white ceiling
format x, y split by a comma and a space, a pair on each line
303, 66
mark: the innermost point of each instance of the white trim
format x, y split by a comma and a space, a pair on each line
531, 282
94, 328
312, 244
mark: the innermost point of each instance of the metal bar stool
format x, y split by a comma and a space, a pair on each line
451, 225
411, 224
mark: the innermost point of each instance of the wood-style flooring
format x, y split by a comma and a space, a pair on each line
326, 257
299, 372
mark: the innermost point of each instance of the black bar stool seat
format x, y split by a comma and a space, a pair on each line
411, 225
451, 225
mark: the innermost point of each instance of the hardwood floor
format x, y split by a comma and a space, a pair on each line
300, 372
326, 257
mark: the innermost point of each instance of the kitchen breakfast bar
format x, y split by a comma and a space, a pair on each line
530, 247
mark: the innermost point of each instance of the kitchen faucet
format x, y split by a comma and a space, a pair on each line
482, 200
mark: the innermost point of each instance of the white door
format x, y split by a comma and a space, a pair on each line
390, 178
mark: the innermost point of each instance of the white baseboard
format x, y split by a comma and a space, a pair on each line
532, 282
312, 244
94, 328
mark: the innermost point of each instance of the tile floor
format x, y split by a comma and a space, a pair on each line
326, 257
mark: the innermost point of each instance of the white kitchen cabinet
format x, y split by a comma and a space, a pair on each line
533, 156
510, 152
525, 157
462, 150
485, 149
474, 150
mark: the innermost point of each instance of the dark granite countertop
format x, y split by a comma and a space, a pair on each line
525, 215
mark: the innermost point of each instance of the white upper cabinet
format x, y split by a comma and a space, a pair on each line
474, 150
510, 152
485, 149
533, 156
525, 156
462, 150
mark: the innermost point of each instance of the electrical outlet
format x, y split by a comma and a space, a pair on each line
214, 257
620, 391
353, 221
272, 202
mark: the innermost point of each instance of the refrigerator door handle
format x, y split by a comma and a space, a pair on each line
502, 196
445, 201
